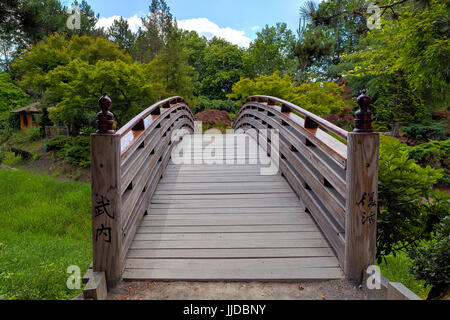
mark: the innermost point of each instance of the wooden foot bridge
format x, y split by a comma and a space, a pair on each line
285, 196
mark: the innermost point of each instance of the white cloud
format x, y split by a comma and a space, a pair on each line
135, 22
256, 28
203, 26
209, 29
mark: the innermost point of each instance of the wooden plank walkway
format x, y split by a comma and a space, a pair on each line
227, 222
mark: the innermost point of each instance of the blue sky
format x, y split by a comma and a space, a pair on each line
237, 20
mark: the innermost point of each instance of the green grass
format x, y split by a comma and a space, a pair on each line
45, 227
396, 269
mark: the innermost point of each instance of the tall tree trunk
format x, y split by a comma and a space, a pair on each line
395, 130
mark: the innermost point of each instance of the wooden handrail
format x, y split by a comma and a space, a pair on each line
336, 182
152, 110
126, 167
287, 107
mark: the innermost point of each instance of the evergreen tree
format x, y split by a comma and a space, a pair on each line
119, 32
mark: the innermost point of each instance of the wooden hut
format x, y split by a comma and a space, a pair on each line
29, 115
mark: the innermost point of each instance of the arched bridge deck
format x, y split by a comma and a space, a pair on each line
227, 222
156, 218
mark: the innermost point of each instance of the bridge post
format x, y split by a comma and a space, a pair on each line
361, 194
107, 240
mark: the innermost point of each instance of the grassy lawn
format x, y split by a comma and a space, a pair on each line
396, 269
44, 229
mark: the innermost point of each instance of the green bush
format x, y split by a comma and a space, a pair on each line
77, 151
56, 143
203, 103
435, 154
404, 192
425, 133
432, 153
27, 136
431, 261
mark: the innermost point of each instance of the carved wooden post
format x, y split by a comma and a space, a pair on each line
106, 198
361, 195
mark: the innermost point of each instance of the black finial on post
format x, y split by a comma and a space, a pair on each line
105, 120
363, 117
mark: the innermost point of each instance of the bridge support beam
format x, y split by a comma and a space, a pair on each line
361, 197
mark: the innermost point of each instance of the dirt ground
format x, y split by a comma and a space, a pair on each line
305, 290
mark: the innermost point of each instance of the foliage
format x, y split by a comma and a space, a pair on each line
11, 96
424, 133
35, 66
223, 68
25, 137
405, 61
435, 153
431, 261
170, 68
76, 150
204, 103
313, 47
119, 33
272, 50
76, 88
56, 143
397, 269
8, 124
321, 98
44, 229
404, 199
153, 37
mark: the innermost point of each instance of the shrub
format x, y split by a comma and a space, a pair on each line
379, 126
434, 153
203, 103
404, 192
431, 261
425, 133
56, 143
26, 136
77, 151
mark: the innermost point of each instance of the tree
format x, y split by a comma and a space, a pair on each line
194, 48
34, 65
170, 68
321, 98
76, 88
223, 68
406, 62
88, 20
157, 26
119, 32
272, 50
11, 96
313, 46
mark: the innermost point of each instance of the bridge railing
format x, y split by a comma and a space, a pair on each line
126, 167
334, 172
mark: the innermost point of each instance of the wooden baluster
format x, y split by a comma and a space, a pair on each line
361, 195
106, 197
